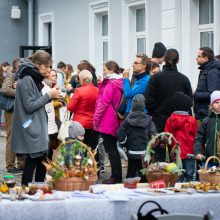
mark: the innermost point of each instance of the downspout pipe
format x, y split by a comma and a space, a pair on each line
30, 22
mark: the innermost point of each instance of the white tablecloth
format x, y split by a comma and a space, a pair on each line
103, 209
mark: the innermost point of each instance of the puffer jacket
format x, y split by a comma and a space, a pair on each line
82, 104
207, 136
209, 81
184, 128
110, 92
136, 131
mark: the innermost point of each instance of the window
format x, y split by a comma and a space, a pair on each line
206, 23
105, 37
140, 30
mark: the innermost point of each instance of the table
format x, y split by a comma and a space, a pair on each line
103, 209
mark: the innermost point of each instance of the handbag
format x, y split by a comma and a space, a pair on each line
63, 132
6, 102
149, 215
120, 111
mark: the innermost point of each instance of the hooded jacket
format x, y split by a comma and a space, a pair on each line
110, 93
135, 132
209, 81
184, 128
207, 136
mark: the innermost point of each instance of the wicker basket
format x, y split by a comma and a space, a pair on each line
210, 177
74, 183
169, 178
77, 183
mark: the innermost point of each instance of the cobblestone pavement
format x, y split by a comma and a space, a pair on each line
103, 176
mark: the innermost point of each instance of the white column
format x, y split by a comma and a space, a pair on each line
30, 22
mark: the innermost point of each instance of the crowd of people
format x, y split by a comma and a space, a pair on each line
156, 98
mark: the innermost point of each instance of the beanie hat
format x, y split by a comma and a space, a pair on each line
182, 102
76, 129
138, 103
159, 50
215, 96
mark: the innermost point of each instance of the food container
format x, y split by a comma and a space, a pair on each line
9, 180
131, 183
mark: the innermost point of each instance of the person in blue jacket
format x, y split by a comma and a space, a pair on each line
141, 68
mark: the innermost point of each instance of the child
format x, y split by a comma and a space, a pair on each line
183, 127
76, 131
135, 132
208, 131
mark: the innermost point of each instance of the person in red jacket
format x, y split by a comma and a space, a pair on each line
183, 127
82, 104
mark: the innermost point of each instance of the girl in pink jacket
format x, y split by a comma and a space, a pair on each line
106, 120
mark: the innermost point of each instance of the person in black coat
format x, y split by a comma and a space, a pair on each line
209, 81
162, 88
134, 134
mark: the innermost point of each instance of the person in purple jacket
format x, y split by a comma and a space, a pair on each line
106, 120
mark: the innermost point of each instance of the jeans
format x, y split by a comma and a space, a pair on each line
189, 167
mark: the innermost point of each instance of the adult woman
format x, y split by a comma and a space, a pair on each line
9, 89
29, 130
82, 104
105, 118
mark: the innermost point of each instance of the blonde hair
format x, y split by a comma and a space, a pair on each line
85, 76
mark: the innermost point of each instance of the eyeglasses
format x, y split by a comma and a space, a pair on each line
136, 63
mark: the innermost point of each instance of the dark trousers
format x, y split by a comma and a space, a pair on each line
30, 165
134, 167
189, 167
91, 138
110, 144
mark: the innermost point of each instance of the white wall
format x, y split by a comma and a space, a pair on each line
71, 29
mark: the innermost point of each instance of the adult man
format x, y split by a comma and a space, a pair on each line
209, 81
141, 68
158, 53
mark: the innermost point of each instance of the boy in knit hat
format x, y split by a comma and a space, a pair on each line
134, 134
208, 132
76, 131
183, 127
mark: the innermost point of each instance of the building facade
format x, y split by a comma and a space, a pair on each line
100, 30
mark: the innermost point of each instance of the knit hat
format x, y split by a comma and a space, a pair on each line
76, 129
215, 96
138, 103
159, 50
182, 102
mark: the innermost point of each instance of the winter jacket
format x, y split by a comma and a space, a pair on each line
160, 92
207, 136
139, 87
209, 81
110, 93
82, 104
184, 128
7, 86
136, 131
29, 130
49, 107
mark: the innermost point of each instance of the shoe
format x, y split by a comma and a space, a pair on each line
14, 170
111, 181
102, 169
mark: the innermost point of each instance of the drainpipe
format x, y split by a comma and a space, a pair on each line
30, 22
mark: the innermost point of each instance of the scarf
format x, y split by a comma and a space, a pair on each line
27, 68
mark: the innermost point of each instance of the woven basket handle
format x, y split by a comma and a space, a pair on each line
210, 158
88, 149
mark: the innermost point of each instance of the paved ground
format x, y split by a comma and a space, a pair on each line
103, 176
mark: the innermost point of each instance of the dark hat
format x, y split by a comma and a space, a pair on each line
138, 103
76, 129
182, 102
159, 50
